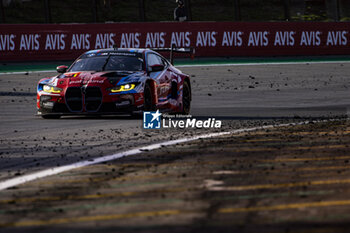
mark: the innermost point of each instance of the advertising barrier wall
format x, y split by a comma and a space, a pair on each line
67, 41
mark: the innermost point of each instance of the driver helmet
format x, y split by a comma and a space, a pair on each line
180, 2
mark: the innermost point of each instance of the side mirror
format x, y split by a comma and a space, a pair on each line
62, 69
155, 68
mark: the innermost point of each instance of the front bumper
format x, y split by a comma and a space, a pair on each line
106, 109
72, 105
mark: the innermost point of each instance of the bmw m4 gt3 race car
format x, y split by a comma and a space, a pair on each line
114, 81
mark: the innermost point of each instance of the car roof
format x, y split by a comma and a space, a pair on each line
123, 50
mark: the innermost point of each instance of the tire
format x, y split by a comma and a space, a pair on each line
148, 99
51, 116
186, 98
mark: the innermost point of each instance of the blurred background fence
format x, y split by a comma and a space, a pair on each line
100, 11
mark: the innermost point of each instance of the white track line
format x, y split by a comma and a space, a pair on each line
211, 65
53, 171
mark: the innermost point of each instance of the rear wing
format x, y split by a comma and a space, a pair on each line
174, 50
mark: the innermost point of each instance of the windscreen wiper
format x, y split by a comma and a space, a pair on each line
106, 62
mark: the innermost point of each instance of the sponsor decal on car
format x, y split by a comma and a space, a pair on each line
86, 81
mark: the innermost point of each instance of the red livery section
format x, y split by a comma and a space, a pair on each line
67, 41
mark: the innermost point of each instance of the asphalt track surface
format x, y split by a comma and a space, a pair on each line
241, 96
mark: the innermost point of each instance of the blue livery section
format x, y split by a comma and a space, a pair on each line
92, 51
133, 78
124, 92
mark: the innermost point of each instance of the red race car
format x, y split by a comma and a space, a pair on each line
114, 81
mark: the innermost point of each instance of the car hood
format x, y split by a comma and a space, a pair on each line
93, 78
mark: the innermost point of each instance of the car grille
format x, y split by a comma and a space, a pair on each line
74, 99
93, 99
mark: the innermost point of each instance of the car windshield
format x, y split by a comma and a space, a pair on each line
107, 63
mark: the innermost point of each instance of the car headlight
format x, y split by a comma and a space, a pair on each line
125, 87
51, 89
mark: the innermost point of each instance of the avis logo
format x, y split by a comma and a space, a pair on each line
151, 120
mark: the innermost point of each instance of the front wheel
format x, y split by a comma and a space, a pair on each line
186, 98
148, 99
